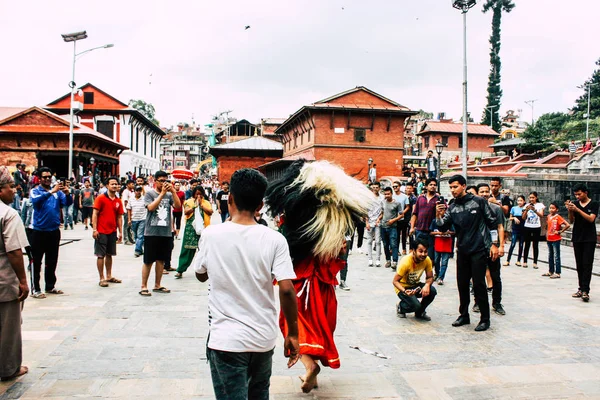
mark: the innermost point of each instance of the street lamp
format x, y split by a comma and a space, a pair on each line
370, 162
74, 37
439, 147
491, 111
464, 6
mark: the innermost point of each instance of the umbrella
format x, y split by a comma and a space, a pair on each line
182, 173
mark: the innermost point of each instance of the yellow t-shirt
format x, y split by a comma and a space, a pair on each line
410, 272
191, 203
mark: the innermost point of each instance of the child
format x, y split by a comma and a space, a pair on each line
443, 249
556, 226
344, 272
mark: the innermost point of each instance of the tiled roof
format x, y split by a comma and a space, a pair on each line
273, 121
455, 127
508, 142
397, 106
252, 143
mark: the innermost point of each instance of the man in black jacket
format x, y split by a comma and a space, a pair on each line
472, 219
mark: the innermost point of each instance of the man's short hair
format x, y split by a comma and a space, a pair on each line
429, 151
555, 204
225, 183
130, 181
580, 187
482, 185
110, 178
429, 180
376, 183
193, 181
496, 179
422, 242
409, 184
397, 183
458, 178
248, 188
160, 174
387, 189
42, 170
472, 187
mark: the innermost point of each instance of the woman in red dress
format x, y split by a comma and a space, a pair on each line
317, 204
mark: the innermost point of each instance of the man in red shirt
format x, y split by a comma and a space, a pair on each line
177, 212
107, 220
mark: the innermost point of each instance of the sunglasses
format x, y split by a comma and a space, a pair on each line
395, 187
46, 177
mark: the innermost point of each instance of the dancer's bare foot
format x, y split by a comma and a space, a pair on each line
310, 379
22, 371
303, 378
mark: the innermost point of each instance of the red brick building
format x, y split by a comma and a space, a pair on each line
246, 153
347, 129
479, 137
36, 137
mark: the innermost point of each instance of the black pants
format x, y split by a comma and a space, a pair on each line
410, 304
360, 229
472, 266
403, 233
531, 235
584, 259
171, 246
344, 257
494, 267
44, 244
177, 217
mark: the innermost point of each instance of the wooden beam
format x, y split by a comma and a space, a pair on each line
312, 120
373, 122
389, 122
332, 117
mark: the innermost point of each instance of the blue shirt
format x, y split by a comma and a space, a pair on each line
46, 207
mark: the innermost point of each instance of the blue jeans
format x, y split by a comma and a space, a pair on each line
240, 376
138, 232
428, 238
389, 235
441, 264
68, 215
224, 216
516, 237
554, 256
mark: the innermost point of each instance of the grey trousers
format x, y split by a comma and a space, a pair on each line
11, 345
374, 235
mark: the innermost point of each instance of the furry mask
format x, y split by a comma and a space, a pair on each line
320, 204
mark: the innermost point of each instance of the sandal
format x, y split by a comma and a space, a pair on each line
535, 266
555, 276
506, 264
22, 371
178, 275
103, 283
524, 265
518, 263
161, 289
577, 294
145, 292
547, 274
165, 272
38, 295
55, 291
114, 280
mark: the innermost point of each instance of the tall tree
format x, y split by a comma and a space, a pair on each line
145, 108
581, 104
492, 111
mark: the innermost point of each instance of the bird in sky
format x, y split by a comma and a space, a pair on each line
247, 27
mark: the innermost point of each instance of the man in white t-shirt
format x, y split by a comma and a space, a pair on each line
242, 258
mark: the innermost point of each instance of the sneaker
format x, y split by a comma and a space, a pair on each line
71, 226
178, 275
403, 252
394, 265
349, 252
401, 314
136, 255
585, 297
423, 317
378, 263
370, 263
388, 264
86, 227
577, 294
490, 290
441, 282
499, 309
476, 308
343, 286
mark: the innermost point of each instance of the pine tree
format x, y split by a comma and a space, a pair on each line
494, 90
581, 104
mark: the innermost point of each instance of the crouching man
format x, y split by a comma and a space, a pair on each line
408, 285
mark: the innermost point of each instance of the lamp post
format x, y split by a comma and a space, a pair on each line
464, 6
74, 37
370, 162
439, 147
491, 111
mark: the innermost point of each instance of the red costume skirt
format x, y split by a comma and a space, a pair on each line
317, 309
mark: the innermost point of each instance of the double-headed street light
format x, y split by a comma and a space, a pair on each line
439, 148
464, 6
74, 37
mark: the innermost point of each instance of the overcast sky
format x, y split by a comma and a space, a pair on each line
195, 57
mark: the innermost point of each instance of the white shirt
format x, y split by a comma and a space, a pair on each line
533, 220
127, 194
241, 262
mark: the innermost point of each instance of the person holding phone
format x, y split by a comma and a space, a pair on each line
532, 228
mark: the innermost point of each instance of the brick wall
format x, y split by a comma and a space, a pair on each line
227, 165
478, 146
355, 161
10, 158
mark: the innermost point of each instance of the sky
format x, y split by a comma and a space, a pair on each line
194, 59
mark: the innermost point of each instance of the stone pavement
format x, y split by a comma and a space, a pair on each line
110, 343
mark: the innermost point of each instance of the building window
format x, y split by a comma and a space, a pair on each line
106, 128
508, 136
460, 142
359, 135
445, 140
131, 139
88, 97
137, 140
426, 139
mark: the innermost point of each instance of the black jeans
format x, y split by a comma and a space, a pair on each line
410, 304
472, 266
584, 259
360, 229
402, 233
494, 267
44, 243
240, 376
531, 235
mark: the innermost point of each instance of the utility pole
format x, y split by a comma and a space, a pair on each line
531, 104
491, 110
587, 125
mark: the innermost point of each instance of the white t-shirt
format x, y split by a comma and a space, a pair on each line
533, 220
241, 262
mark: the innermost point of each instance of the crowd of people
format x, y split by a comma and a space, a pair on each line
418, 228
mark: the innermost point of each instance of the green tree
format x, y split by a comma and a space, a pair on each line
581, 104
145, 108
494, 91
553, 123
536, 139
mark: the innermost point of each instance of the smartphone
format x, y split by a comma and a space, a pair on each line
441, 200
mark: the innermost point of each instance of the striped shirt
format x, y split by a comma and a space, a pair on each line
138, 208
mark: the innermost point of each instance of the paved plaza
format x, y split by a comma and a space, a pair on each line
98, 342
